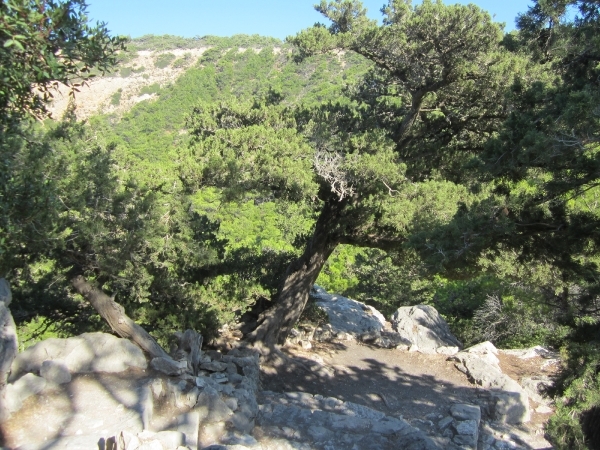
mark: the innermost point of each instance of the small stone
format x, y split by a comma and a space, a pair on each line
445, 422
306, 345
231, 402
219, 377
168, 366
467, 427
214, 366
235, 378
465, 412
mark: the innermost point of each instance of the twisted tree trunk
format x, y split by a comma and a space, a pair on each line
115, 315
276, 323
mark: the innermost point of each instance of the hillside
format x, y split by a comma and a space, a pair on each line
427, 162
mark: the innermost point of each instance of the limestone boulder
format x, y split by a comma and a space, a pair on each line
89, 352
425, 329
509, 402
347, 315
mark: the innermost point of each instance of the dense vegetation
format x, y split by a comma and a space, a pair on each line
430, 159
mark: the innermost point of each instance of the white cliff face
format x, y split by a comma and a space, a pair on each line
96, 95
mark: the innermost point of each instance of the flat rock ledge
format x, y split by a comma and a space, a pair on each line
299, 420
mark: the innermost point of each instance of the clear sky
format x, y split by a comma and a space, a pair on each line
277, 18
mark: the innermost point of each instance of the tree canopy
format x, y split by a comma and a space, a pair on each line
433, 97
45, 42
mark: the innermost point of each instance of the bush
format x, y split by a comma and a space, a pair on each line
125, 72
115, 99
576, 422
151, 89
183, 61
164, 60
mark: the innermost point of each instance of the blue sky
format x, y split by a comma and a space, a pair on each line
277, 18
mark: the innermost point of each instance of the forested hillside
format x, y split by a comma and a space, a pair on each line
430, 159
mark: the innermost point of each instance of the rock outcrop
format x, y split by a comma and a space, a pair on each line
509, 402
347, 315
87, 353
295, 419
8, 343
425, 329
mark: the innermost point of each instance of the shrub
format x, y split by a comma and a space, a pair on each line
115, 99
125, 72
164, 60
151, 89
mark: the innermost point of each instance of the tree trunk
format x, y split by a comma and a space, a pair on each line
276, 323
115, 315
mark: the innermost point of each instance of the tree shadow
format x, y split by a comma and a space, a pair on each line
422, 399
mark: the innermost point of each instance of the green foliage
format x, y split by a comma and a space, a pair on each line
168, 42
151, 89
569, 427
183, 61
164, 60
313, 314
115, 99
42, 42
125, 72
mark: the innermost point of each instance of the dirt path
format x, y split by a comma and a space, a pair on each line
415, 386
411, 384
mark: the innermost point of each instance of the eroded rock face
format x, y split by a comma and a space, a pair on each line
425, 329
89, 352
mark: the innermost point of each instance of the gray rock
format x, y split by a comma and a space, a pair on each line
509, 402
422, 326
389, 425
319, 434
211, 408
55, 372
346, 315
157, 387
214, 366
486, 351
535, 386
5, 294
466, 412
240, 422
445, 422
8, 341
467, 428
89, 352
189, 424
168, 366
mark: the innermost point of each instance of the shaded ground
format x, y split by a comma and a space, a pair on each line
411, 384
415, 386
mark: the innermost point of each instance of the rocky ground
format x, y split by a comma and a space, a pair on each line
358, 383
